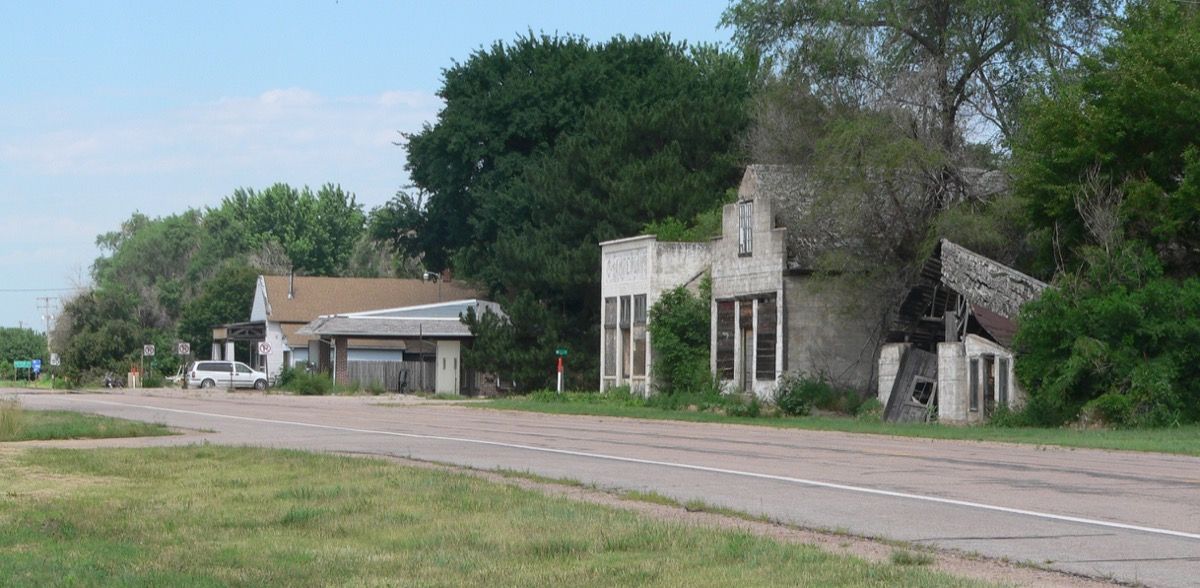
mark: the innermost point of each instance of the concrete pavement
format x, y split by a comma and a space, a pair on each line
1134, 517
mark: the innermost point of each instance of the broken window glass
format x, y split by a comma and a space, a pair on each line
745, 232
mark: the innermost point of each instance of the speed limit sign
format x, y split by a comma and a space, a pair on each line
264, 348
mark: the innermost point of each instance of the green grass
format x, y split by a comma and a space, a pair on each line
41, 384
1182, 440
18, 424
211, 516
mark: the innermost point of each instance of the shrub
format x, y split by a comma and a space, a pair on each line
306, 384
798, 393
741, 406
153, 380
1119, 339
286, 376
679, 325
870, 410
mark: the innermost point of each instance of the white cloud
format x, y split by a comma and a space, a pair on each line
277, 133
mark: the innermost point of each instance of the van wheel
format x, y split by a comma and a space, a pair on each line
260, 384
207, 384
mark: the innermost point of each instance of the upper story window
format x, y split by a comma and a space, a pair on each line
745, 232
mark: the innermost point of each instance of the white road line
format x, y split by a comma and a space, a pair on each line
685, 466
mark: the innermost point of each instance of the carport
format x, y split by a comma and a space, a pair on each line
433, 337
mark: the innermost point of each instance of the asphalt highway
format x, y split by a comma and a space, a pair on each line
1133, 517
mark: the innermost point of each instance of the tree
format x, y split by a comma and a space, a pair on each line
1128, 118
226, 298
20, 344
549, 145
679, 332
938, 59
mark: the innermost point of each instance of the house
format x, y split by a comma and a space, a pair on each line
949, 350
636, 272
436, 329
284, 304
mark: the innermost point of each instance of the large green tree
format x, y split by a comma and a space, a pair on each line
1120, 140
548, 145
1109, 168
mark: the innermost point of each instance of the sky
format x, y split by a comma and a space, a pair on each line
107, 108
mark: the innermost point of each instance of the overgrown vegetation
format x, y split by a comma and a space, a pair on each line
18, 424
218, 516
1109, 166
679, 329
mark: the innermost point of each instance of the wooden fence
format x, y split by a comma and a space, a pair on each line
417, 376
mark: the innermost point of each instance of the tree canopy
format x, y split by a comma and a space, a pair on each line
549, 145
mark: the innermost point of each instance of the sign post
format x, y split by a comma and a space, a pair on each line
147, 351
561, 352
264, 349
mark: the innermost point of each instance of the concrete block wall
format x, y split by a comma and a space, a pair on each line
824, 337
889, 364
954, 384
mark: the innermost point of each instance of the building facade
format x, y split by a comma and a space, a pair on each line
636, 272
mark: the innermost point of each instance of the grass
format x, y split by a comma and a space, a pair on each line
18, 424
209, 516
44, 383
1183, 440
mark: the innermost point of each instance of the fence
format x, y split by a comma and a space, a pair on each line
417, 376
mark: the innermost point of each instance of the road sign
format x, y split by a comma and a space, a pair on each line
561, 352
37, 366
55, 360
264, 348
147, 351
22, 364
183, 348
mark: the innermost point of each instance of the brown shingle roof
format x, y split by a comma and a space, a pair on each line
317, 296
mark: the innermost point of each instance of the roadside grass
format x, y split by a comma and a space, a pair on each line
18, 424
39, 384
1183, 440
205, 515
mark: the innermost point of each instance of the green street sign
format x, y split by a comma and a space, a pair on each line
25, 364
561, 351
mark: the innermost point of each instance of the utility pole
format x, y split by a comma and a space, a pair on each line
45, 306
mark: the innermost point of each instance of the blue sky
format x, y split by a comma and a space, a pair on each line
111, 107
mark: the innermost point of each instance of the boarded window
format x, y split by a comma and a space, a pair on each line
725, 339
610, 351
639, 309
1002, 386
973, 376
639, 351
745, 227
764, 364
610, 312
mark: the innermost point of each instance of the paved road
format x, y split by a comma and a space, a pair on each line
1134, 517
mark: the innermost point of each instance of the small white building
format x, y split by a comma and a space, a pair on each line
284, 304
635, 274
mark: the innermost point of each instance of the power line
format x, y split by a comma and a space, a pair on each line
38, 289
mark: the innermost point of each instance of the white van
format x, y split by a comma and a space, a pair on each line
225, 374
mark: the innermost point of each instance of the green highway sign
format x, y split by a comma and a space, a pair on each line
23, 364
561, 351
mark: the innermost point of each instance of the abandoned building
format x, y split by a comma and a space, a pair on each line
636, 272
767, 314
284, 304
770, 314
949, 352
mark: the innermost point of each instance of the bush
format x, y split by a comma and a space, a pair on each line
286, 376
870, 410
153, 380
741, 406
1121, 341
798, 393
306, 384
679, 325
